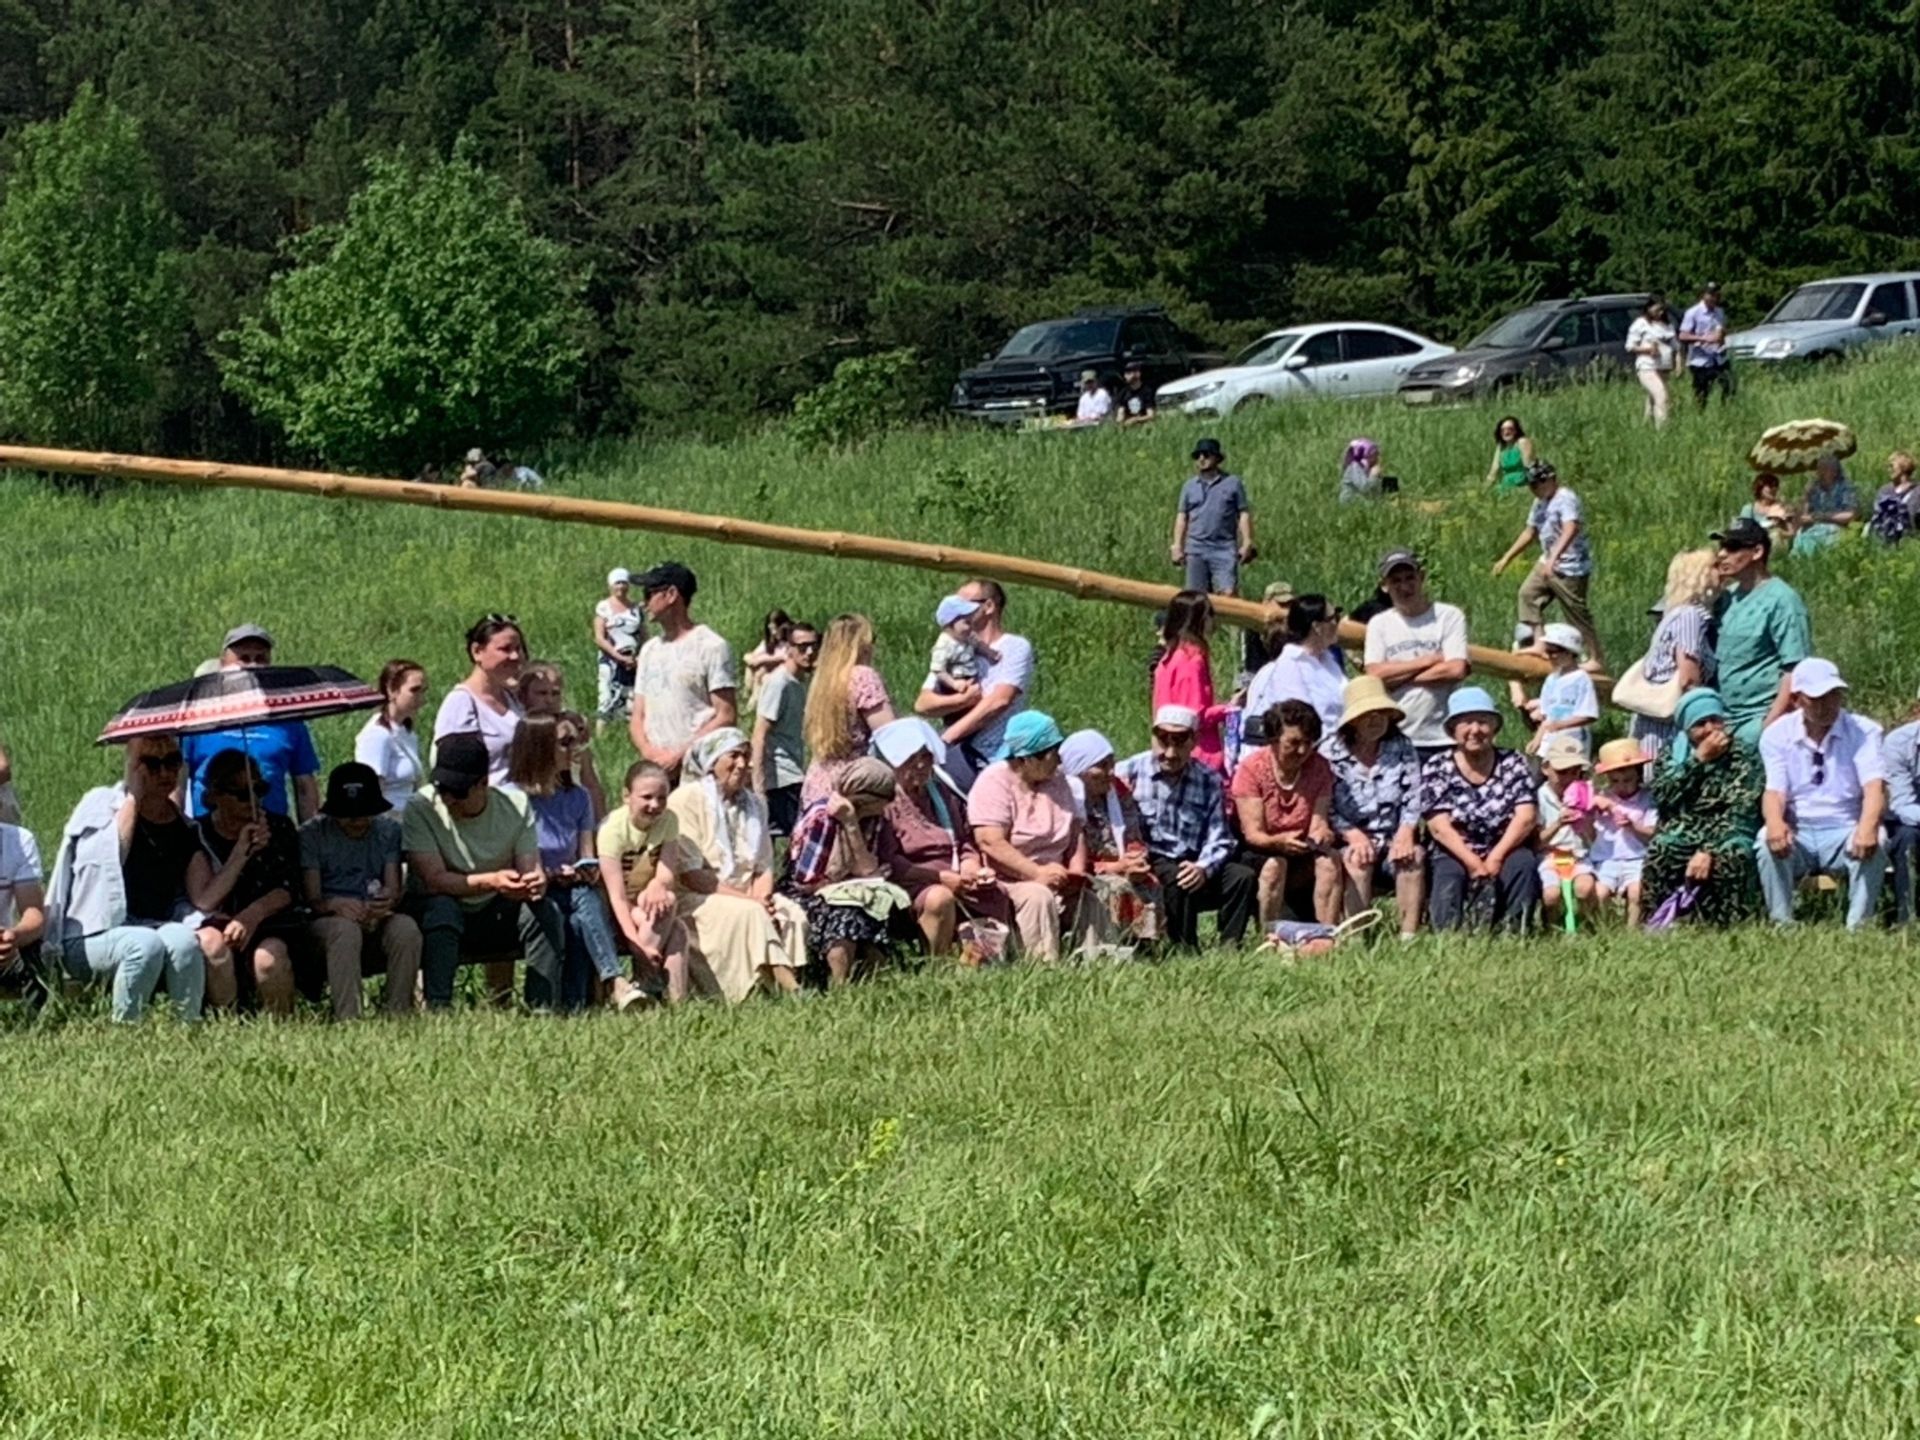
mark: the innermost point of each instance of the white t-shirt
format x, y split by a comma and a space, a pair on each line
1297, 675
461, 714
394, 755
19, 865
1015, 668
1439, 634
1095, 406
677, 678
1570, 696
625, 628
1656, 332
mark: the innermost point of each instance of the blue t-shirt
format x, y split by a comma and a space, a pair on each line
278, 751
558, 820
1570, 696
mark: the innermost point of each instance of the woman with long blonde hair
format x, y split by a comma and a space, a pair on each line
1681, 644
847, 702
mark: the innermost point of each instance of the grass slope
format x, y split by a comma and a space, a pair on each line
1615, 1188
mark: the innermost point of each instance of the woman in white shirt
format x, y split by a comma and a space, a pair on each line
387, 741
1650, 342
1307, 669
484, 703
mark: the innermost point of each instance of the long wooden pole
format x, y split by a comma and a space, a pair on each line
1009, 569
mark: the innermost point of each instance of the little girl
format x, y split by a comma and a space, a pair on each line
1568, 703
638, 846
1566, 828
1624, 820
761, 661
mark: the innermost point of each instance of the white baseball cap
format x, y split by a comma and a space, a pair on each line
1564, 637
619, 575
1815, 677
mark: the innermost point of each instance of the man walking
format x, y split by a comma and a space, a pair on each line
683, 678
1703, 330
1565, 567
1764, 631
1826, 793
1213, 529
1418, 650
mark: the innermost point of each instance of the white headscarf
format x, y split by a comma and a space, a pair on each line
739, 823
1082, 751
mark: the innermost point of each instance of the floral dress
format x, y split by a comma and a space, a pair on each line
1713, 807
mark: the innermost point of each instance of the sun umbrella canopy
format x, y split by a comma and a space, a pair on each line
1798, 445
263, 695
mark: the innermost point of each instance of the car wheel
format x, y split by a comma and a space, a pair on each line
1248, 402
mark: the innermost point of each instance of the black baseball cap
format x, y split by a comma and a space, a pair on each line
1744, 533
460, 762
668, 575
1207, 446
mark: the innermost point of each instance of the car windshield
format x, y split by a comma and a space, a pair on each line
1522, 327
1060, 337
1818, 302
1269, 349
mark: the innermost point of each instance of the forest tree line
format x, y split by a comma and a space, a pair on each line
732, 196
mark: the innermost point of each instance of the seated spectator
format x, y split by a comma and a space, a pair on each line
1283, 797
1480, 812
1183, 810
476, 471
478, 885
1095, 403
1900, 753
744, 936
1027, 827
845, 704
1771, 513
486, 703
640, 863
350, 873
1121, 882
246, 881
387, 742
23, 914
1826, 793
117, 905
1308, 668
1624, 820
1134, 405
282, 751
929, 848
1829, 507
1376, 803
1565, 804
1361, 476
543, 691
1708, 794
834, 871
1897, 507
540, 766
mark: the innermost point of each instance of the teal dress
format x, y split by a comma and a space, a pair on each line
1513, 468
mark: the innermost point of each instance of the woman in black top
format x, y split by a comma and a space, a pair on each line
244, 876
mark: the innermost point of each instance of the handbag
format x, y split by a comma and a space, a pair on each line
1635, 693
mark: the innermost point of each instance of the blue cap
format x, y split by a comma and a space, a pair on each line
1029, 733
1471, 700
953, 607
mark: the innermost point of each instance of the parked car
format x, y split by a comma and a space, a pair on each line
1542, 344
1037, 372
1824, 319
1343, 358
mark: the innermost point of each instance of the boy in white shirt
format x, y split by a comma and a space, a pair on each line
1568, 703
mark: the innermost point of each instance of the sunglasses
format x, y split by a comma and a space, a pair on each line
494, 617
1819, 767
154, 764
808, 647
258, 791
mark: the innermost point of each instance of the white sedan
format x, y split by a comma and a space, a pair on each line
1337, 359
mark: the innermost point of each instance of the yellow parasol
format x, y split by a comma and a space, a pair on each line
1797, 446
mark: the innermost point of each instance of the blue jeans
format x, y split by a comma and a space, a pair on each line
1820, 852
135, 958
1213, 569
591, 947
1903, 846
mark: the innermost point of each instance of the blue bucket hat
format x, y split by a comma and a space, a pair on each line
1471, 700
1029, 733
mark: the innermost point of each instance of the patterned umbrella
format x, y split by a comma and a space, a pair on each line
1797, 446
263, 695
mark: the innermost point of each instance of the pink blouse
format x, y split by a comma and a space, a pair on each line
1041, 824
1184, 676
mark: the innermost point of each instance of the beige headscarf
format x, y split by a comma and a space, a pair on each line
866, 779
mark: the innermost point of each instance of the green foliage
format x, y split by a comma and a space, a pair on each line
92, 316
867, 395
430, 320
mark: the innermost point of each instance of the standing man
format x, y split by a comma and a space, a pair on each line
1703, 330
683, 678
1095, 403
1826, 793
1135, 405
280, 749
1183, 808
1565, 566
779, 743
1213, 529
1418, 650
1764, 632
976, 724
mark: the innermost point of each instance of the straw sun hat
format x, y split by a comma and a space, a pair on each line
1364, 695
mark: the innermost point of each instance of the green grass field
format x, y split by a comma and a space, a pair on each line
1608, 1188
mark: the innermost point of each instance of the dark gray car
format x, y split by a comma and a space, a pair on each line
1544, 344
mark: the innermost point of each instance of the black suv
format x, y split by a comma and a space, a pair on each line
1037, 372
1547, 342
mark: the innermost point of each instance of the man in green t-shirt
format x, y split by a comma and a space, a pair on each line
480, 890
1764, 632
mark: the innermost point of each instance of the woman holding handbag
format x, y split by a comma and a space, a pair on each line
1680, 656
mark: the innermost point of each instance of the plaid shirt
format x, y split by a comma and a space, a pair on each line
1185, 814
816, 836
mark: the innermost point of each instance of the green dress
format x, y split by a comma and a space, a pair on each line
1513, 468
1713, 807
